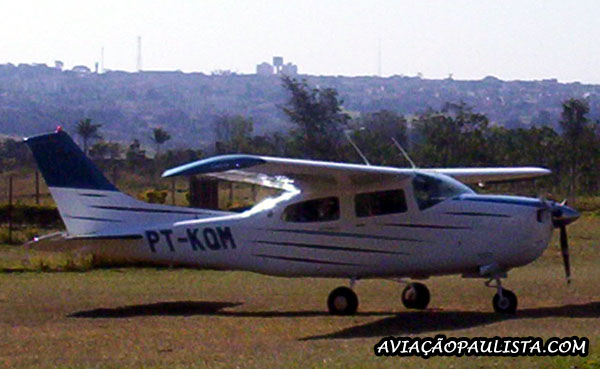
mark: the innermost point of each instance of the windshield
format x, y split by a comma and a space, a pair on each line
432, 189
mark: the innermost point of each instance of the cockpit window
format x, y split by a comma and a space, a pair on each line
430, 190
380, 203
318, 210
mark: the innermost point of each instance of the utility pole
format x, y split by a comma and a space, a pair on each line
139, 53
379, 58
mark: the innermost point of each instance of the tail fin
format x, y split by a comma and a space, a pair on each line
64, 165
88, 203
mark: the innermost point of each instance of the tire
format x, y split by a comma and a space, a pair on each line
507, 305
416, 296
342, 301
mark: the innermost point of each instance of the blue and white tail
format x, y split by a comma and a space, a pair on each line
88, 203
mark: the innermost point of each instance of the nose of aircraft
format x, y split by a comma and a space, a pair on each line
563, 215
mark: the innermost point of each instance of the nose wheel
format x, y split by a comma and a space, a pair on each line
342, 301
504, 301
416, 296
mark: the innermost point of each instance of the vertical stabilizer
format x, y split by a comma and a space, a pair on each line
88, 203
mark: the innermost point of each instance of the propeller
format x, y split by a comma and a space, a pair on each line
562, 215
564, 249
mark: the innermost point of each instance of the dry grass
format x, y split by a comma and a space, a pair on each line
145, 318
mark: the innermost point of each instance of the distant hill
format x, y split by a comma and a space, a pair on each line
37, 98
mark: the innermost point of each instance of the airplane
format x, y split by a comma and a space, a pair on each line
334, 220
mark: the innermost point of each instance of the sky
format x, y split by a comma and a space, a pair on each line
470, 39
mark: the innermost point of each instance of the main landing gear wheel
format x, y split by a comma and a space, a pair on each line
416, 296
505, 304
342, 301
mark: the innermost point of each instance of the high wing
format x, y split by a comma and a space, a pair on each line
276, 172
279, 172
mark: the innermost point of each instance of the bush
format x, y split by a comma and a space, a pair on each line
584, 203
155, 196
42, 216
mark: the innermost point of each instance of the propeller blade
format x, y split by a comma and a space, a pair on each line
564, 248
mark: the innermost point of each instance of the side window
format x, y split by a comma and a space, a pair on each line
318, 210
380, 203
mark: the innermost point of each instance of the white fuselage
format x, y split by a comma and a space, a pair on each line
461, 235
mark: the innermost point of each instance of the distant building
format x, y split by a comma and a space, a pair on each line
264, 69
59, 65
289, 69
81, 69
278, 63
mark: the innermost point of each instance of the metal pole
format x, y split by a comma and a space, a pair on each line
10, 205
37, 187
173, 190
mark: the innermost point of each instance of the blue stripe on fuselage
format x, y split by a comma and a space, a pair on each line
510, 200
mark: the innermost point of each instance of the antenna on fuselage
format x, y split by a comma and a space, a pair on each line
404, 153
364, 158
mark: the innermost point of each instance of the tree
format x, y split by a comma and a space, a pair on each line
453, 136
579, 140
175, 157
135, 155
319, 120
374, 133
106, 150
14, 154
234, 134
87, 131
533, 146
159, 137
99, 150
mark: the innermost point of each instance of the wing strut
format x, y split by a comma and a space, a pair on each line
404, 153
364, 158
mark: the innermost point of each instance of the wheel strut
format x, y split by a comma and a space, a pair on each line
504, 301
497, 286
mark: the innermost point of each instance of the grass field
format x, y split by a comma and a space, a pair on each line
177, 318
